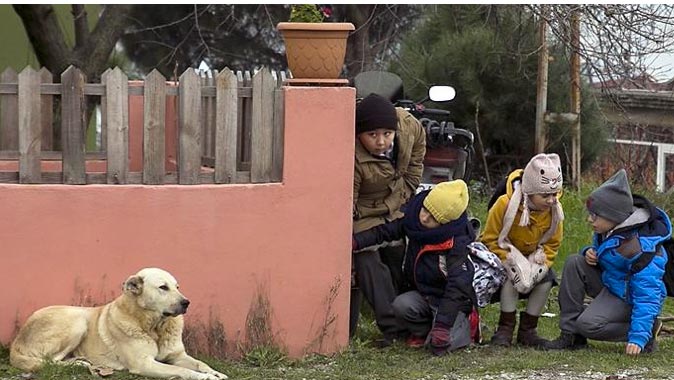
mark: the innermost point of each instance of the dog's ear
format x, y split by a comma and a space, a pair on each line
133, 285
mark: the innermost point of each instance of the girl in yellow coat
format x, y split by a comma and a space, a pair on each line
524, 228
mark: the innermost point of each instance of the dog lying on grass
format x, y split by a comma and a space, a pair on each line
140, 331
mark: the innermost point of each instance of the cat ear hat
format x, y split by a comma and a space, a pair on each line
542, 175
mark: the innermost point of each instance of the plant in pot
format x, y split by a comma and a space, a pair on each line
314, 49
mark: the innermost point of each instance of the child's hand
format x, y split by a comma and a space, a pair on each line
591, 257
632, 349
539, 256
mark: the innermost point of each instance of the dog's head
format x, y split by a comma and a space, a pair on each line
154, 289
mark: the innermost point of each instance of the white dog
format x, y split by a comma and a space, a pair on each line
140, 331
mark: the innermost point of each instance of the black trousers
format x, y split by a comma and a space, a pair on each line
379, 279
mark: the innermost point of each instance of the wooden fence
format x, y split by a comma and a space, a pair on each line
229, 127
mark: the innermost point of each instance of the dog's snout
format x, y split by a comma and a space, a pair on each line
185, 303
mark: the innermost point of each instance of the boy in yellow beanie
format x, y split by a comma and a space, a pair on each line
440, 309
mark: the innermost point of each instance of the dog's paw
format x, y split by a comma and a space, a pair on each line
213, 375
219, 375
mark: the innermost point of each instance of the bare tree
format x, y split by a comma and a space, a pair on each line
618, 41
91, 49
379, 28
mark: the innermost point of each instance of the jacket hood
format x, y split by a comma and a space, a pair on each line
651, 223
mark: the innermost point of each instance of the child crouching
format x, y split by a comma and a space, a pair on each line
437, 312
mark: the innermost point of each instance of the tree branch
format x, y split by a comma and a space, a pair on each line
45, 35
81, 25
110, 27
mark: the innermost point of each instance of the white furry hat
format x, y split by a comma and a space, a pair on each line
542, 175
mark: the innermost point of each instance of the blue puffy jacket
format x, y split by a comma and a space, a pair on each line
644, 291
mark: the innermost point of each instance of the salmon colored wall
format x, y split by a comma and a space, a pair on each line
226, 244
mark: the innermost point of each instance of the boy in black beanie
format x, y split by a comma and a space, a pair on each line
389, 153
622, 271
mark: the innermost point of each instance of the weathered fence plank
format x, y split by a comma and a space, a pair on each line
73, 126
9, 119
277, 136
207, 117
47, 112
226, 127
104, 111
116, 121
30, 132
189, 128
262, 127
228, 120
154, 129
245, 106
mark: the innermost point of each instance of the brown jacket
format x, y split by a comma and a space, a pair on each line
379, 189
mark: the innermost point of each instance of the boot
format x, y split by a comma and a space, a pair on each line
527, 334
652, 344
567, 341
504, 333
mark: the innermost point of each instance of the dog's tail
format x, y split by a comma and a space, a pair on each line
24, 362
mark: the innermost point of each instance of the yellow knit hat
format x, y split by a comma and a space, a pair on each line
447, 201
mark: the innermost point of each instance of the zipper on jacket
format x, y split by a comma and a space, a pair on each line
449, 244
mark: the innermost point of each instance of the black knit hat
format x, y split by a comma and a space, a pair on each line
374, 112
613, 199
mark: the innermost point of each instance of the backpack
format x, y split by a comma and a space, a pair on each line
668, 277
500, 189
489, 272
647, 257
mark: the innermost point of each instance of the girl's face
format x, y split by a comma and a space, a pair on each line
599, 224
543, 202
377, 142
427, 219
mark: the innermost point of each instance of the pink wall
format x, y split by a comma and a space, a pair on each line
76, 244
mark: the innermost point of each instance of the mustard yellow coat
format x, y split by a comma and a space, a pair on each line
523, 238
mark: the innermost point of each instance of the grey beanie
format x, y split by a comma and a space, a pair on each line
613, 199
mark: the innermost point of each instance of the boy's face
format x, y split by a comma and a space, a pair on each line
427, 219
543, 202
377, 142
599, 224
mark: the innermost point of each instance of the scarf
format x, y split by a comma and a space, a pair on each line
422, 235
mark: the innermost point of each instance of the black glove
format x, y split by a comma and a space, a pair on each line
440, 338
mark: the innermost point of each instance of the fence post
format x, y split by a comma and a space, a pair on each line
189, 128
47, 111
278, 124
262, 127
226, 129
73, 125
116, 120
154, 129
29, 126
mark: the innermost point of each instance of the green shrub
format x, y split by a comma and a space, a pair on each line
305, 13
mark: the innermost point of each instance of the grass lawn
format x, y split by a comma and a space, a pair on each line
361, 360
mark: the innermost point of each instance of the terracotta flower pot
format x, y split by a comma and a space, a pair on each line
315, 50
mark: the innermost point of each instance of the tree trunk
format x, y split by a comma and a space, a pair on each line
360, 55
92, 49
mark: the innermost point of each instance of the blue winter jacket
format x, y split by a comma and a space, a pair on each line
644, 291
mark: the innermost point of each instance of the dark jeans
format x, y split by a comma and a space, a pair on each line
374, 281
417, 316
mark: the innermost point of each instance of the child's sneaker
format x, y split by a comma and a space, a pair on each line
652, 344
414, 341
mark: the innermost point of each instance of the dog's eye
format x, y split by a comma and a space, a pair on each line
164, 287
